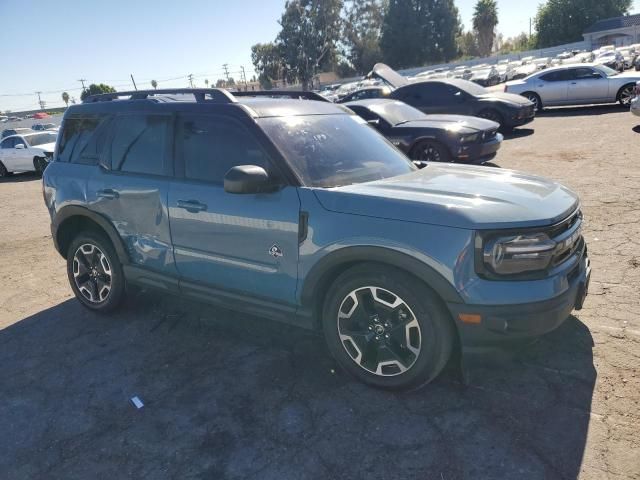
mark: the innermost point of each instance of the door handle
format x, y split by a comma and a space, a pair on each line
191, 205
574, 83
107, 193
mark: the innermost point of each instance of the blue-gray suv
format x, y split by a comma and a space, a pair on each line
297, 210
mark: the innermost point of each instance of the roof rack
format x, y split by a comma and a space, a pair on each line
216, 95
295, 94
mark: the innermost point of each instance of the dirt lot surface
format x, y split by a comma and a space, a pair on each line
228, 396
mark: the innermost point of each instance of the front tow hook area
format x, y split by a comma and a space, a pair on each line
583, 287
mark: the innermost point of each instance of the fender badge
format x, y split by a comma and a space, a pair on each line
275, 251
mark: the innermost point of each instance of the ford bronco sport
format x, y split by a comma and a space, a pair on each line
299, 211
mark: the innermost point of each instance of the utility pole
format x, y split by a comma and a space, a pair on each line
190, 77
134, 82
226, 70
82, 80
529, 27
244, 77
40, 102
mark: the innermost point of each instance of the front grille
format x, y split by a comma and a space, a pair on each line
568, 236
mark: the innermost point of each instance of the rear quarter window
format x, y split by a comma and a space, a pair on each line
79, 140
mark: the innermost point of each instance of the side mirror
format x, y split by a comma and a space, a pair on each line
248, 179
19, 146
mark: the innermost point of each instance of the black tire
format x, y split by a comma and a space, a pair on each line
95, 299
625, 94
535, 99
493, 115
39, 164
430, 151
420, 323
3, 171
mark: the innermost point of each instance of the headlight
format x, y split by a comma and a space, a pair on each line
518, 253
470, 138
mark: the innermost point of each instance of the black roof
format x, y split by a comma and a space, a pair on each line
614, 23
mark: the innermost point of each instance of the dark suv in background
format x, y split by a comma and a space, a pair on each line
299, 211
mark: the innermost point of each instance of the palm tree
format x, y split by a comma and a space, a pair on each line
154, 84
206, 82
485, 19
65, 98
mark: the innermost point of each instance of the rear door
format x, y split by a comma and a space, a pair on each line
552, 87
7, 153
244, 243
587, 85
130, 187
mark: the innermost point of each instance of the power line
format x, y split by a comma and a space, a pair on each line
82, 80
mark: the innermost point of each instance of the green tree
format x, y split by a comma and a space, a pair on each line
65, 98
415, 32
96, 89
563, 21
154, 84
361, 34
467, 44
206, 82
220, 83
267, 63
485, 19
308, 37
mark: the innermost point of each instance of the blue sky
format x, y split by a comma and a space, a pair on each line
162, 40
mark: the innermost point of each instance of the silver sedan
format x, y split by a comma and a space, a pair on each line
583, 84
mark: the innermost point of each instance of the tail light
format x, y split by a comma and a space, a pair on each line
505, 87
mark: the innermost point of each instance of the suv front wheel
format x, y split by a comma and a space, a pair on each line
95, 272
387, 328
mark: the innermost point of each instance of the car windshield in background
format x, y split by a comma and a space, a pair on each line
41, 139
397, 112
335, 150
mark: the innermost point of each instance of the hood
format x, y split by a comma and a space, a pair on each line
47, 147
508, 98
387, 74
459, 196
451, 122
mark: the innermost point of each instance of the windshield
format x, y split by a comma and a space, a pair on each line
396, 113
609, 72
41, 139
469, 87
334, 150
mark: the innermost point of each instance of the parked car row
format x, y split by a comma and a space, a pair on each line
37, 127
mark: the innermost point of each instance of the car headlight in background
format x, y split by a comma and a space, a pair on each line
515, 254
470, 138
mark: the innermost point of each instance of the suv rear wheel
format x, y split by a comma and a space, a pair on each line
386, 328
95, 272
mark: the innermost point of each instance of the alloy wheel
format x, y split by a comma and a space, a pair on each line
534, 99
379, 331
626, 95
92, 273
429, 154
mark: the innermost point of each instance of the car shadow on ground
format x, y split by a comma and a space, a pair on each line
636, 129
582, 110
20, 177
229, 396
518, 133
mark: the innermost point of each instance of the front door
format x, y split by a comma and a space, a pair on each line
587, 85
243, 243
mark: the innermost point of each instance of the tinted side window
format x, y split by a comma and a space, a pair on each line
139, 144
584, 73
8, 143
555, 76
429, 93
210, 146
77, 138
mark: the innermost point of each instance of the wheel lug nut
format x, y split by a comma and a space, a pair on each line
386, 335
370, 327
377, 338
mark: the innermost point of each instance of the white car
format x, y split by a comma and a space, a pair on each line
26, 153
635, 102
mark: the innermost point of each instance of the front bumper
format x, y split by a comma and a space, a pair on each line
497, 326
480, 152
521, 118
